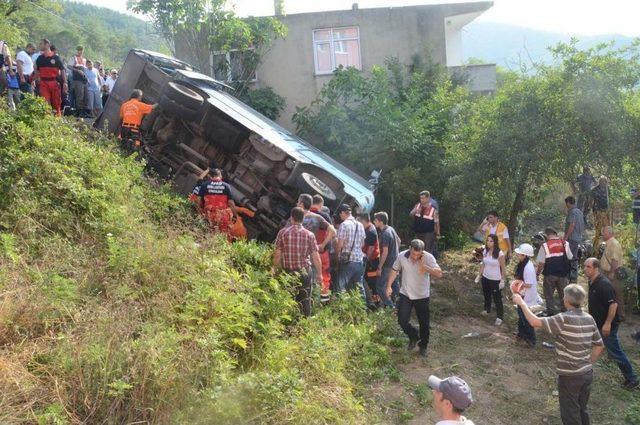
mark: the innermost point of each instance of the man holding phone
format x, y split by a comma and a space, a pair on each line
416, 267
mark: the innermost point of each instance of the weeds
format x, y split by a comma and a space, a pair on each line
117, 307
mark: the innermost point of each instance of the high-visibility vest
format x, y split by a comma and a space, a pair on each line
502, 243
556, 262
424, 219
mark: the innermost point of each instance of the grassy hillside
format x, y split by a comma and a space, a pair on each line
116, 306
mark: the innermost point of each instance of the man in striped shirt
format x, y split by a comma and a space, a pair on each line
578, 346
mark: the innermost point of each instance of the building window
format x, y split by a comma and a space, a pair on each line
230, 66
333, 47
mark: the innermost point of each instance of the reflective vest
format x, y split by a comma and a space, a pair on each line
424, 219
502, 242
556, 262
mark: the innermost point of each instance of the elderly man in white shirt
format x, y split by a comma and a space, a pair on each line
416, 267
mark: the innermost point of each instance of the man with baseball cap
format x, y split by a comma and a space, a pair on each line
451, 396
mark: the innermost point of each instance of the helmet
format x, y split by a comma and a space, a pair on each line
525, 249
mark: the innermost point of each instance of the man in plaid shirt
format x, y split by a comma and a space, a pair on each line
296, 248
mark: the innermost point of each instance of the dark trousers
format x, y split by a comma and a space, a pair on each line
612, 344
405, 305
573, 395
573, 273
525, 330
303, 292
550, 285
491, 289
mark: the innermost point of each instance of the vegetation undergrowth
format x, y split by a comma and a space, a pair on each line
117, 306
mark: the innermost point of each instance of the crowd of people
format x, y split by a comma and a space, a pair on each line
343, 251
77, 86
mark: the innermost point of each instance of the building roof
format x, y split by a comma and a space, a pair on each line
449, 9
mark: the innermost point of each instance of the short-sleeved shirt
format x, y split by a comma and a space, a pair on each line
531, 296
491, 266
296, 245
388, 238
575, 334
413, 283
133, 111
314, 223
352, 232
600, 198
601, 296
110, 83
371, 240
574, 215
49, 66
94, 81
27, 63
612, 251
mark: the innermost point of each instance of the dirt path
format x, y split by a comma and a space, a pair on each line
511, 383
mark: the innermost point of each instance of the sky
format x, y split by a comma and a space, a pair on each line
575, 17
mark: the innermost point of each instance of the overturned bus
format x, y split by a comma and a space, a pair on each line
198, 123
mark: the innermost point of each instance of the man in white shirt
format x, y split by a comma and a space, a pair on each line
415, 266
451, 396
25, 67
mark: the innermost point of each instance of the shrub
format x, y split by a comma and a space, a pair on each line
116, 307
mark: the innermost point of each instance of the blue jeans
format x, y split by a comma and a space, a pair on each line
525, 330
612, 344
350, 276
381, 287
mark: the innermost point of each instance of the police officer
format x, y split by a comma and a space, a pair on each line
216, 202
426, 222
132, 112
553, 261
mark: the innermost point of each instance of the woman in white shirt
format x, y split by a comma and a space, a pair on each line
492, 277
527, 285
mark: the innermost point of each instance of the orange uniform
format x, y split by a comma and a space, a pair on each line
238, 231
133, 111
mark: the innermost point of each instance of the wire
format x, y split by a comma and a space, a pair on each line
59, 17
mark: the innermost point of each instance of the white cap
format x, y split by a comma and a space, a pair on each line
525, 249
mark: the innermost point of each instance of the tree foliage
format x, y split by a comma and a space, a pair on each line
397, 119
203, 27
106, 35
502, 151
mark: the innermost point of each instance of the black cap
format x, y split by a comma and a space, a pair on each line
343, 208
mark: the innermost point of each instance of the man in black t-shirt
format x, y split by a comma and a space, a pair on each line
371, 252
604, 309
48, 68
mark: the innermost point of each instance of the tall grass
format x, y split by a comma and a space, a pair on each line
117, 306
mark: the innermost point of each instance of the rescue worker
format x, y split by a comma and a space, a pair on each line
216, 202
426, 222
132, 112
238, 231
48, 68
491, 225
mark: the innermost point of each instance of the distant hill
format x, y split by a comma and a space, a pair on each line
506, 45
106, 35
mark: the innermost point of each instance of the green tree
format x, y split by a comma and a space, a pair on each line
540, 128
205, 27
397, 119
